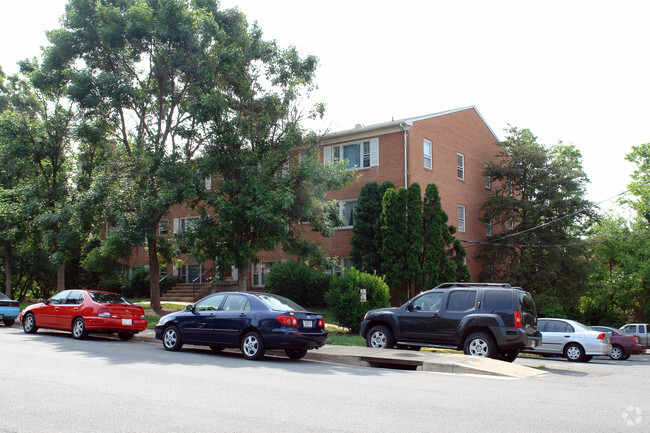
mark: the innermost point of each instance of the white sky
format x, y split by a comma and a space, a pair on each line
570, 70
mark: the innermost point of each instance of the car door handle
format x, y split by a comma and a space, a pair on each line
567, 336
242, 315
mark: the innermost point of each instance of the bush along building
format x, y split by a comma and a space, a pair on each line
449, 149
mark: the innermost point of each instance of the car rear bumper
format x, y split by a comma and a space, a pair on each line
9, 313
598, 348
114, 325
290, 338
516, 338
636, 349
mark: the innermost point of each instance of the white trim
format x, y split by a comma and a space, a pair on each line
462, 218
460, 167
427, 157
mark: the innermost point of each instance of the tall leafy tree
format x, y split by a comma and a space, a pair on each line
393, 227
176, 80
366, 238
436, 265
539, 210
414, 233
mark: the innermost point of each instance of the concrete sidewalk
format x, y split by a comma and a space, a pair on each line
402, 359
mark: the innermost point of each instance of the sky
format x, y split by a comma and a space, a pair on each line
572, 71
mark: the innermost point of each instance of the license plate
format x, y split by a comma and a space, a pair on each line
308, 323
532, 343
127, 322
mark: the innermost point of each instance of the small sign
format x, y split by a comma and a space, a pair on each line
363, 295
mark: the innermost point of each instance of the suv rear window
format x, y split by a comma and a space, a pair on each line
498, 301
527, 303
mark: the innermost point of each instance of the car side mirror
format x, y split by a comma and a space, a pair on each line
409, 306
43, 300
189, 308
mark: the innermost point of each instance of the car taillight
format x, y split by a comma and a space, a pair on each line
103, 312
321, 322
638, 340
517, 319
601, 336
14, 304
288, 320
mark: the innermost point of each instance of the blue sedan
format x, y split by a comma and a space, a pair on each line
253, 322
9, 310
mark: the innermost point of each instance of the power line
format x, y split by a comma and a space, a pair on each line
477, 243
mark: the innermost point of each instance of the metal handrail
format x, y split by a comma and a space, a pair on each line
201, 280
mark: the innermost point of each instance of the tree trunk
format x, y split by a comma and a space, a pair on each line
154, 272
242, 277
60, 278
8, 272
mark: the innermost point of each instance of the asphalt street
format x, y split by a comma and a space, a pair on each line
53, 383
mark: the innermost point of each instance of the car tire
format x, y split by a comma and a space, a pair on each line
295, 353
79, 329
587, 358
480, 344
216, 349
380, 337
508, 355
125, 336
29, 323
172, 339
617, 353
9, 322
626, 357
252, 346
574, 352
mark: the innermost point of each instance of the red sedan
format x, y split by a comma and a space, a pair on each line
623, 344
83, 311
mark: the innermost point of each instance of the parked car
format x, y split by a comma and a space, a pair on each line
641, 330
253, 322
9, 310
492, 320
623, 344
82, 312
571, 339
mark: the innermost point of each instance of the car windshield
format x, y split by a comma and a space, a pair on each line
4, 297
279, 303
108, 298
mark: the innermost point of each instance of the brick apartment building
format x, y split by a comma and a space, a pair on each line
449, 149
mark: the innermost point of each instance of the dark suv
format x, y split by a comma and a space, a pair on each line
482, 319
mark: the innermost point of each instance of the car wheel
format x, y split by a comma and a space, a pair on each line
252, 346
9, 322
480, 344
125, 336
380, 337
295, 353
216, 349
79, 329
29, 323
172, 339
508, 355
617, 353
574, 352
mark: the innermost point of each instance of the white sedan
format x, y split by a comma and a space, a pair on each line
571, 339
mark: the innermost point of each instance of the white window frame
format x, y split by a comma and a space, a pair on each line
488, 181
185, 223
341, 204
488, 229
259, 272
511, 224
460, 166
368, 153
461, 218
427, 150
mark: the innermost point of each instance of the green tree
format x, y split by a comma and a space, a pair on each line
414, 238
394, 246
176, 80
538, 205
366, 238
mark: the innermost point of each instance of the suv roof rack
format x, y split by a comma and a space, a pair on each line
463, 284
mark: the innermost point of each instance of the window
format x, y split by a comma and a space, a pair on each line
343, 264
211, 303
488, 181
163, 228
641, 329
188, 223
497, 301
511, 224
75, 298
461, 218
460, 163
510, 187
346, 210
59, 298
428, 302
363, 154
488, 229
427, 154
236, 303
260, 271
208, 183
461, 300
